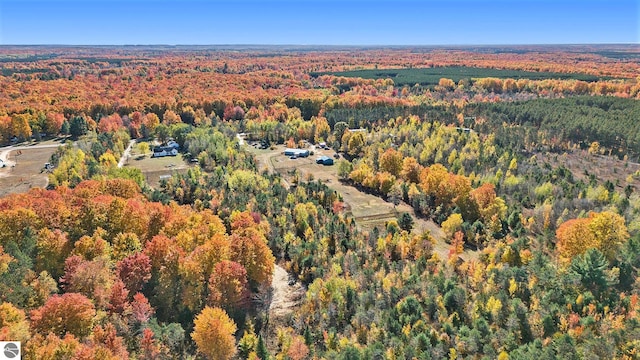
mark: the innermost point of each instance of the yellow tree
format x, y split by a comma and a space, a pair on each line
53, 248
213, 334
322, 129
13, 323
411, 170
446, 84
360, 173
20, 126
5, 260
356, 142
604, 231
452, 224
151, 120
609, 231
108, 159
391, 161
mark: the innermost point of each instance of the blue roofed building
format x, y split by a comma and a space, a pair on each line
324, 160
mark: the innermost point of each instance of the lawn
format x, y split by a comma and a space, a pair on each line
155, 168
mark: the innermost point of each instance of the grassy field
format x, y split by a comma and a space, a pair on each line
154, 168
27, 172
431, 76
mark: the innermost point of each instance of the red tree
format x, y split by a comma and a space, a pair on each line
61, 314
228, 285
134, 271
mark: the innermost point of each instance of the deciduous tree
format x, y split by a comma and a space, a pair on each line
20, 126
68, 313
213, 334
604, 231
228, 286
391, 161
249, 248
135, 271
53, 123
13, 323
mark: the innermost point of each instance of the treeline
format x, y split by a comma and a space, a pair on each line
611, 121
370, 117
431, 76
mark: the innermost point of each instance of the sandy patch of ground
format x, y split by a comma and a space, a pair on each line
286, 295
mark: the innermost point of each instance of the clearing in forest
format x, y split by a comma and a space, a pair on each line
156, 169
24, 167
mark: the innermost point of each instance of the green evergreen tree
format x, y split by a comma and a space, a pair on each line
261, 349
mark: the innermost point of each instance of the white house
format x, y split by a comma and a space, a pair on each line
296, 152
162, 151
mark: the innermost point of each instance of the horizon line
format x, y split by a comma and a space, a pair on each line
335, 45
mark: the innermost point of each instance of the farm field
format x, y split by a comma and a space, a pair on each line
431, 76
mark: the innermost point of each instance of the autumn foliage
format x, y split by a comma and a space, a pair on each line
480, 173
214, 334
70, 313
113, 252
604, 231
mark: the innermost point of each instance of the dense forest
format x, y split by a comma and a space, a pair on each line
514, 234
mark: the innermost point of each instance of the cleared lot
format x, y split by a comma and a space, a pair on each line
24, 171
154, 169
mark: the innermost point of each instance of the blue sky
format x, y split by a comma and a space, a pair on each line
316, 22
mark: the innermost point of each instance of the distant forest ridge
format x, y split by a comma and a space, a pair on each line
431, 76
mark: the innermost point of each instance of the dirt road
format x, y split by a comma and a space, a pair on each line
125, 154
4, 152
